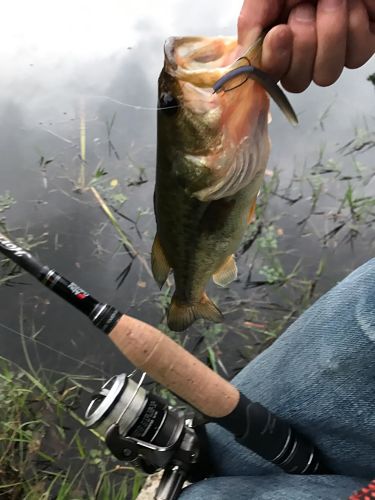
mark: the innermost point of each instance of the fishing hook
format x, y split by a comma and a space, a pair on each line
232, 74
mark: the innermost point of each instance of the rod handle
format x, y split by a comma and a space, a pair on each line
172, 366
272, 438
252, 425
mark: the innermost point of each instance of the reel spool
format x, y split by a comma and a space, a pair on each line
141, 428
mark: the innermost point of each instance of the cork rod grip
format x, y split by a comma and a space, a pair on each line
175, 368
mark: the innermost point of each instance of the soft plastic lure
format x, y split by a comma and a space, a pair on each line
267, 82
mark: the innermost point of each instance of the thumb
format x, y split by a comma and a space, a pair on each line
256, 15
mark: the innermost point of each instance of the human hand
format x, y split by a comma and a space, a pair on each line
312, 40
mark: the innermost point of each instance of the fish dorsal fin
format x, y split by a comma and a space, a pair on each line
226, 273
159, 264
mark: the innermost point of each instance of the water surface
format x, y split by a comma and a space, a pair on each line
94, 66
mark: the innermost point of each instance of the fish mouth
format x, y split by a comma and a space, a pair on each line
195, 64
200, 61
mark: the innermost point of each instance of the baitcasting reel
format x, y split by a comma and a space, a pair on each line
140, 427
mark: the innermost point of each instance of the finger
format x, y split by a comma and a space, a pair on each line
257, 14
277, 51
302, 23
331, 26
361, 42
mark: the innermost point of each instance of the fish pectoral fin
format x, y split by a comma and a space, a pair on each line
226, 273
159, 264
241, 171
251, 214
182, 315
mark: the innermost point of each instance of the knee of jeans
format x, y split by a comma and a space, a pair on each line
362, 278
357, 302
340, 327
360, 286
365, 312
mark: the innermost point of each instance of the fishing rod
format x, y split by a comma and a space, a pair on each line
140, 426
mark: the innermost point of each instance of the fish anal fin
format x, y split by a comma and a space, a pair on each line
226, 273
159, 264
181, 315
251, 214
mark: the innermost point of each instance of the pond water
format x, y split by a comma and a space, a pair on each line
77, 98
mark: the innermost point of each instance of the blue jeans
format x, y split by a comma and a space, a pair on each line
320, 376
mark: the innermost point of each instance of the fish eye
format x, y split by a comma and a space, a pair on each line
168, 103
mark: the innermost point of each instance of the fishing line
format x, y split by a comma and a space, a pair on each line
146, 108
132, 106
52, 349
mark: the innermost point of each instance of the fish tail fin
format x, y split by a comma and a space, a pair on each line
182, 315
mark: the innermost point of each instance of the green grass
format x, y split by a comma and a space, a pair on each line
43, 455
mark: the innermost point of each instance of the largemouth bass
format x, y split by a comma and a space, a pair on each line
212, 151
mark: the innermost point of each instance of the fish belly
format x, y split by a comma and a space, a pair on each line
197, 237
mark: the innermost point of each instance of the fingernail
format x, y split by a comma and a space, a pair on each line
331, 4
304, 13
